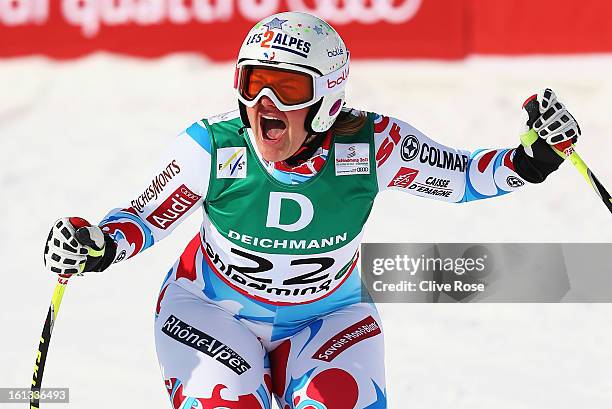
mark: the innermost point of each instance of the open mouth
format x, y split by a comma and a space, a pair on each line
272, 127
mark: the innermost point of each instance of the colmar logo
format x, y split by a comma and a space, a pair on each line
403, 178
410, 148
120, 256
443, 158
515, 182
173, 208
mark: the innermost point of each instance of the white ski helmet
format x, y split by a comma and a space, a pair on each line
300, 42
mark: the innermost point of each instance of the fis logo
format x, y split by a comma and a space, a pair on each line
335, 52
231, 163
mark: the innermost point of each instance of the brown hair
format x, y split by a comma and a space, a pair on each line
349, 122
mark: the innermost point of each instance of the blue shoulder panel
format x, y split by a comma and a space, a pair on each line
199, 134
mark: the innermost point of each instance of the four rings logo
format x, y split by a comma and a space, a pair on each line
175, 206
362, 11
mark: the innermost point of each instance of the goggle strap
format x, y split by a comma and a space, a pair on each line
332, 82
236, 74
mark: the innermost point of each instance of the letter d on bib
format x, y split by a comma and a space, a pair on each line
274, 211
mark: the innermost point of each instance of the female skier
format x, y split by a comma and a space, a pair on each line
266, 298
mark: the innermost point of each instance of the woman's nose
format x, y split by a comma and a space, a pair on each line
265, 101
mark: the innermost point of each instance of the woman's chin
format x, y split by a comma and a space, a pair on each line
272, 150
272, 155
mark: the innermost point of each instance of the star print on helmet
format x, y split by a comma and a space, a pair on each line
275, 23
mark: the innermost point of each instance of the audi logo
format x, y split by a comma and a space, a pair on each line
362, 11
188, 194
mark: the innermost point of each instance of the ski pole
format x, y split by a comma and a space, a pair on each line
570, 153
566, 150
45, 338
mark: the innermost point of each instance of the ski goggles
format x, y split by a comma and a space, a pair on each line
289, 86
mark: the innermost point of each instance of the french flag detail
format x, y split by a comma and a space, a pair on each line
305, 170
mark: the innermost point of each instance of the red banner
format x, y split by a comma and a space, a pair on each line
540, 27
371, 28
216, 28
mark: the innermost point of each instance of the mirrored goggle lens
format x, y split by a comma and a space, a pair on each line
291, 87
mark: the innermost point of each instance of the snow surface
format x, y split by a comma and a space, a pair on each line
81, 137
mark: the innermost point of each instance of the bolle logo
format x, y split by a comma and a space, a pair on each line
342, 78
335, 52
274, 211
173, 208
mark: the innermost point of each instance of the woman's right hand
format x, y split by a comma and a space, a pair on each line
74, 247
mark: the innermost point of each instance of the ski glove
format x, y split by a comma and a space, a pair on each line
547, 122
74, 247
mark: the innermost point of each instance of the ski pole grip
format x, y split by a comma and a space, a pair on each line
532, 106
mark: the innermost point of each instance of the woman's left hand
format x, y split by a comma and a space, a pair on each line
546, 122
